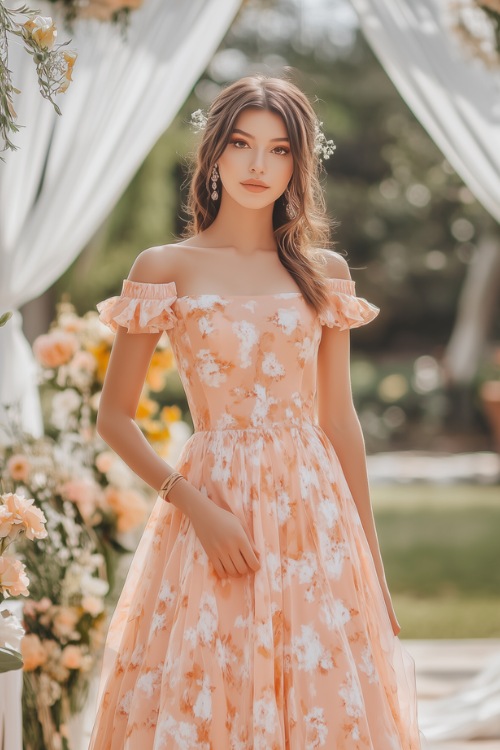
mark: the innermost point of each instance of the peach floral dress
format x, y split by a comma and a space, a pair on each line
301, 654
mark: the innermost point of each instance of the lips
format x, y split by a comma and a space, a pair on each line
255, 183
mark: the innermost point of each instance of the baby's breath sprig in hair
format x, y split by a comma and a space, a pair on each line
198, 120
323, 148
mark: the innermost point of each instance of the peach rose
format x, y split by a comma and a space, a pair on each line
33, 652
33, 519
71, 657
65, 621
85, 493
128, 505
55, 349
104, 461
18, 467
10, 525
13, 578
93, 605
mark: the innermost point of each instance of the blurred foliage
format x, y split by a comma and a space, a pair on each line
408, 226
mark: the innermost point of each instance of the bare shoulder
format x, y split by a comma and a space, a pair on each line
336, 266
156, 265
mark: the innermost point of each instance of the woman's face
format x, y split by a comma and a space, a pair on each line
258, 150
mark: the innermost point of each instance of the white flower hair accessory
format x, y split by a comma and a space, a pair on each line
323, 147
198, 120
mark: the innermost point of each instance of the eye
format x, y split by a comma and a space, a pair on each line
284, 150
236, 142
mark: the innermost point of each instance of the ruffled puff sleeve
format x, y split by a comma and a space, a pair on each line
142, 307
344, 309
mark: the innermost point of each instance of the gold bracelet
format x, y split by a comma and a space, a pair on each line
168, 483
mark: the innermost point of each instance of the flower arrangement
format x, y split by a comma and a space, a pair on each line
53, 65
477, 23
91, 502
64, 618
18, 516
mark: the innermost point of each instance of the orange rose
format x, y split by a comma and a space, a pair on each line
33, 652
71, 657
18, 467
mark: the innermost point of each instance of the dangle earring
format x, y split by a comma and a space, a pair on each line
215, 176
288, 206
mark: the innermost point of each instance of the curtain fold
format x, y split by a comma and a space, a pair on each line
456, 99
70, 170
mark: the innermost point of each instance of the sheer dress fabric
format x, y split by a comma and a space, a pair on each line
301, 653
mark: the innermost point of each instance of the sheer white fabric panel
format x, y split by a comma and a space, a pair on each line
123, 96
455, 98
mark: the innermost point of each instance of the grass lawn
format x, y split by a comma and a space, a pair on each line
441, 550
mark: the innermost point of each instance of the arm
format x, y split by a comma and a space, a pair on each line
226, 541
128, 365
339, 420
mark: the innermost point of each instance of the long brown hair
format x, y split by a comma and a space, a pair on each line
298, 238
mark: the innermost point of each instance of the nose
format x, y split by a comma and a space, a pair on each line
258, 164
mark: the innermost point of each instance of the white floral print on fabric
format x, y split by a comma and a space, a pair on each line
301, 654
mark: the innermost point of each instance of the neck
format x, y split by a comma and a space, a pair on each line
246, 229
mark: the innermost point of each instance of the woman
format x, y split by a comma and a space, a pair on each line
256, 613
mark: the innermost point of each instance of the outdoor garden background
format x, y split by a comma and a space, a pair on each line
412, 233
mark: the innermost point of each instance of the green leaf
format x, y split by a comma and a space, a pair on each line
10, 659
5, 317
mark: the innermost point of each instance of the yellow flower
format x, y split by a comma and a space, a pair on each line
163, 358
101, 353
171, 413
69, 58
145, 408
155, 430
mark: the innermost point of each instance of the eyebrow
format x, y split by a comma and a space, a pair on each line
237, 130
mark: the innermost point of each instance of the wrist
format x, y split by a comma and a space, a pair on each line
184, 496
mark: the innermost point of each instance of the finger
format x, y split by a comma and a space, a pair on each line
251, 558
219, 569
239, 562
230, 569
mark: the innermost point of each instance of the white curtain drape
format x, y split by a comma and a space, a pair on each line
70, 170
457, 100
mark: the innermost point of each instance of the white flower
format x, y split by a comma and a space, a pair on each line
198, 120
323, 148
92, 586
64, 404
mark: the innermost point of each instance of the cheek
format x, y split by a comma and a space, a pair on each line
284, 169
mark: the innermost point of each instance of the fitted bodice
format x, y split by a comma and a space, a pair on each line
245, 361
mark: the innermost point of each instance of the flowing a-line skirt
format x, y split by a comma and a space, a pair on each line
299, 655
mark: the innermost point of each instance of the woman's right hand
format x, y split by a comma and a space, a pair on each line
221, 533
